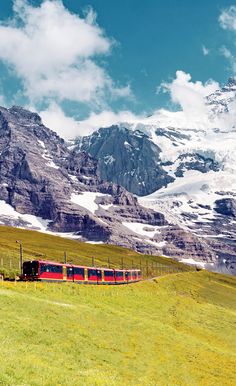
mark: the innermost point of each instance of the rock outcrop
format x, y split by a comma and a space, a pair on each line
226, 206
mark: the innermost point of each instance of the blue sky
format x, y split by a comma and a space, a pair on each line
147, 42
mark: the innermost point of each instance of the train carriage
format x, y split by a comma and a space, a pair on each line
51, 271
80, 273
109, 276
120, 276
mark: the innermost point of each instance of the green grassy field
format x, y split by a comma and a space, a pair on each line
175, 330
37, 245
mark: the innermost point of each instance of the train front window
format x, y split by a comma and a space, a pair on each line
30, 268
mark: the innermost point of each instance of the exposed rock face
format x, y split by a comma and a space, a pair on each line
195, 162
226, 206
127, 158
181, 242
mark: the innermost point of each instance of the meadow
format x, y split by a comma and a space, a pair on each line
178, 329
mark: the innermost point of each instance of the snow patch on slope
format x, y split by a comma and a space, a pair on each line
142, 229
47, 156
36, 222
87, 200
28, 221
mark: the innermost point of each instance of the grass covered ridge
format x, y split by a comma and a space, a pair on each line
175, 330
38, 245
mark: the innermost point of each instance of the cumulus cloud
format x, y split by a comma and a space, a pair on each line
68, 127
55, 118
190, 96
106, 118
54, 53
194, 112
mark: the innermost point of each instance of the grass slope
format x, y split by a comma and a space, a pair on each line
40, 245
175, 330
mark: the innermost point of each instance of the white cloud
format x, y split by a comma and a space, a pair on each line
194, 112
55, 118
190, 95
68, 128
226, 52
54, 53
227, 18
105, 119
227, 21
205, 51
230, 57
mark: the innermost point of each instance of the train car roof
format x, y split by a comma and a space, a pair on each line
67, 264
52, 262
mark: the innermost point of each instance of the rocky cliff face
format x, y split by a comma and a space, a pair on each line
127, 158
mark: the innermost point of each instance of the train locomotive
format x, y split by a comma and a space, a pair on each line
40, 270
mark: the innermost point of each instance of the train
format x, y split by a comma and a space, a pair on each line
50, 271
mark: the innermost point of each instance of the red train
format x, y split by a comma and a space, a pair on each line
52, 271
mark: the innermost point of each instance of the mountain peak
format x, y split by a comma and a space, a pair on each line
231, 82
23, 114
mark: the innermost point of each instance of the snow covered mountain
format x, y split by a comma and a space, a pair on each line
193, 166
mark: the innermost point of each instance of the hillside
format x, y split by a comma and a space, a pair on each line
175, 330
38, 245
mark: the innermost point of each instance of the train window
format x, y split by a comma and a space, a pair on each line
57, 269
119, 274
109, 273
92, 272
79, 271
50, 268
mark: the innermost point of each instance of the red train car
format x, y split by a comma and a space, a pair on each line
50, 271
